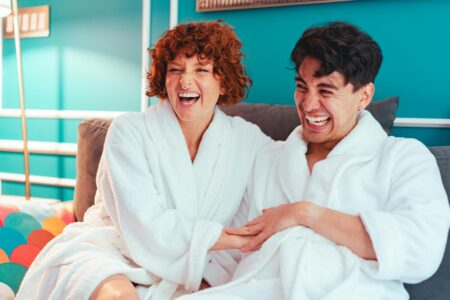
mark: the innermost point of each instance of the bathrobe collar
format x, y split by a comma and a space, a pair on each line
360, 145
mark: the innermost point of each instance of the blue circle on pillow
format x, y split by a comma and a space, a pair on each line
10, 239
22, 222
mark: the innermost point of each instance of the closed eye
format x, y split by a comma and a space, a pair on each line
203, 70
174, 70
326, 92
301, 88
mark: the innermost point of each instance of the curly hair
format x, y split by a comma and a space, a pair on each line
341, 47
215, 41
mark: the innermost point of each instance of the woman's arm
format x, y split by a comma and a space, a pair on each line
231, 241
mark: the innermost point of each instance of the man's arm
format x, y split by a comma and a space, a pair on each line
344, 229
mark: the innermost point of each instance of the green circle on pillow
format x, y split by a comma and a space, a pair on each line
12, 274
10, 239
22, 222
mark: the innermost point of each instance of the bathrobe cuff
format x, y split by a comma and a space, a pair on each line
387, 243
205, 235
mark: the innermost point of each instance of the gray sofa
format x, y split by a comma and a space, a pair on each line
276, 121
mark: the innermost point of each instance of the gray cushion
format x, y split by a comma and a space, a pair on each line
91, 137
437, 287
278, 121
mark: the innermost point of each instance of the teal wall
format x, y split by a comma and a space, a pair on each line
92, 61
414, 36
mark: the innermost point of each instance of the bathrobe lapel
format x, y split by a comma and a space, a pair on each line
211, 164
196, 192
358, 147
175, 160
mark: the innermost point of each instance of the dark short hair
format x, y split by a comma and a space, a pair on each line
340, 47
215, 41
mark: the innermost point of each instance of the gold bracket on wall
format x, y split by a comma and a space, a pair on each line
215, 5
33, 22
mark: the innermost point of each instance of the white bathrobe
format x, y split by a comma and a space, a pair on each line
156, 213
393, 184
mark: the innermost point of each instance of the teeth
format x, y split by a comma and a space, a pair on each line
188, 95
318, 121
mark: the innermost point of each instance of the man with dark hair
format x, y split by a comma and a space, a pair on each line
340, 210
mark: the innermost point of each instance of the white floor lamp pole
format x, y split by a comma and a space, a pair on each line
5, 8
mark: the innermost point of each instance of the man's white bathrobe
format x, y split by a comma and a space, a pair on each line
393, 184
156, 213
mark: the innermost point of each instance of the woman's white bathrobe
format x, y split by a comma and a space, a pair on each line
156, 213
393, 184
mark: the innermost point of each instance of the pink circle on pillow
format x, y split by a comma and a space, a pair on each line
24, 255
6, 209
40, 238
65, 215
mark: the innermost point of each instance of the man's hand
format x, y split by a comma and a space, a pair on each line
273, 220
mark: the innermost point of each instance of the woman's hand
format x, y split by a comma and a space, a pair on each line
273, 220
231, 241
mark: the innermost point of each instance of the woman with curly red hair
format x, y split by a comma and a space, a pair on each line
169, 180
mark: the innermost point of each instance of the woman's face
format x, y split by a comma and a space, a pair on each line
193, 89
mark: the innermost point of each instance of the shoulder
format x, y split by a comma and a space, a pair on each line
126, 126
246, 129
408, 154
405, 146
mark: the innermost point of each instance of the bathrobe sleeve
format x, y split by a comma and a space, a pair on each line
409, 236
157, 237
222, 264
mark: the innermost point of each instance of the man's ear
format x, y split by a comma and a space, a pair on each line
367, 93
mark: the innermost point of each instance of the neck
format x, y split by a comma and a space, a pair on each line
193, 133
317, 152
321, 150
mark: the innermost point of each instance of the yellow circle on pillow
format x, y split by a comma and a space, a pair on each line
53, 225
3, 257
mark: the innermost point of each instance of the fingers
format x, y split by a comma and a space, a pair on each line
255, 221
255, 243
245, 230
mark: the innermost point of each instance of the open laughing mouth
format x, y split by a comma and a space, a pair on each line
187, 99
317, 121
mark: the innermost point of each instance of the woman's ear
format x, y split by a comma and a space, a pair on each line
367, 93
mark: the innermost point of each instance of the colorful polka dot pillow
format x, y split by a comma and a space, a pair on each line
25, 228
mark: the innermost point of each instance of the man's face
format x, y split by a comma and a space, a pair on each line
327, 107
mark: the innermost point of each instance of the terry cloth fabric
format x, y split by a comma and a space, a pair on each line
156, 212
393, 184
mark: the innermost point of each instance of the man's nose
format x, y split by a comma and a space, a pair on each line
311, 101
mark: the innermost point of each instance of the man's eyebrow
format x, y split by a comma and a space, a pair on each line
298, 78
327, 85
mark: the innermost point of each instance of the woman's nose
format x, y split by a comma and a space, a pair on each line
185, 81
